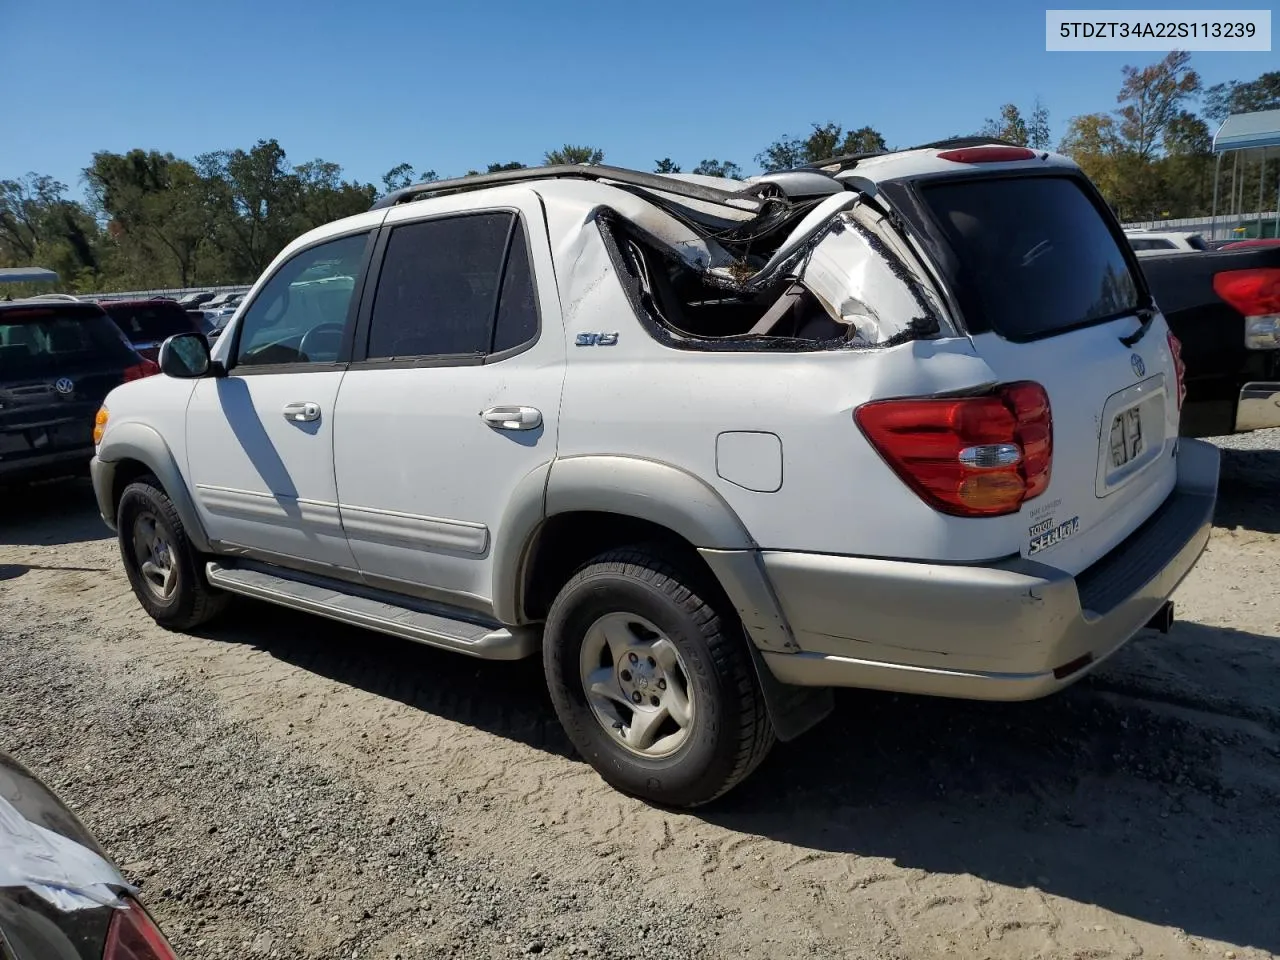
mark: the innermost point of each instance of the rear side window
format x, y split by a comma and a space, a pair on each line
456, 286
1035, 255
150, 322
1144, 243
41, 341
517, 321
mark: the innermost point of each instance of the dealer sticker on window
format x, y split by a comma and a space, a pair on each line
1046, 534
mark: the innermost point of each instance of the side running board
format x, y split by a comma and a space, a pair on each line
375, 610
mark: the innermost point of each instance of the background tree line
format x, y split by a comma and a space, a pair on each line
151, 219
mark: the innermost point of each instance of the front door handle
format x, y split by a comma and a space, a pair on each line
512, 418
302, 411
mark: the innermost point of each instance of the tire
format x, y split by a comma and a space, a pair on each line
621, 600
184, 600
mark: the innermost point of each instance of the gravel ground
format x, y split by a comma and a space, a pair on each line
285, 787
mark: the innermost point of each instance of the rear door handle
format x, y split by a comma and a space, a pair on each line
302, 411
512, 418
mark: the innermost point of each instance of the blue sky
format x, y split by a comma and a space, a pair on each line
453, 86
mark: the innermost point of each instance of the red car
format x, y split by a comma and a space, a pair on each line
1258, 242
148, 323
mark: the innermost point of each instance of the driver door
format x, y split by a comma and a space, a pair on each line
260, 439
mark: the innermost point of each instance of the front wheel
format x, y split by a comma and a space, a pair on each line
652, 680
163, 568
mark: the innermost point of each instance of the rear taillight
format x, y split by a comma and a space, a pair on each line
1179, 368
987, 154
967, 456
1256, 294
147, 368
135, 936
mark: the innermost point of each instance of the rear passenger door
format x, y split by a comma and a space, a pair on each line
452, 399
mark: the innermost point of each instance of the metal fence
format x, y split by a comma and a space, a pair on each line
176, 293
1241, 225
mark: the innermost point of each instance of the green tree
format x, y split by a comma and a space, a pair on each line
1009, 127
323, 196
719, 168
155, 211
1038, 134
398, 177
1223, 99
513, 165
862, 140
574, 154
666, 165
1151, 100
825, 140
39, 226
783, 154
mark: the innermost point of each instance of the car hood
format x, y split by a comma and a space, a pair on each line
57, 886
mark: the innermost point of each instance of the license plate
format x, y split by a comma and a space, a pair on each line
1126, 437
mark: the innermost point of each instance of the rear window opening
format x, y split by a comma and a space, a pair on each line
1033, 256
846, 287
41, 341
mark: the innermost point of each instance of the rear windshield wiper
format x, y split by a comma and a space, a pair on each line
1145, 316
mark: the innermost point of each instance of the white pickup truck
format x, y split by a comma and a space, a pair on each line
905, 421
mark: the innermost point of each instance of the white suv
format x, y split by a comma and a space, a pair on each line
905, 421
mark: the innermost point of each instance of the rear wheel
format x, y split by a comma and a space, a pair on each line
652, 680
163, 568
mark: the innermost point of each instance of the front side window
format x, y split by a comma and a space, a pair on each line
300, 314
441, 287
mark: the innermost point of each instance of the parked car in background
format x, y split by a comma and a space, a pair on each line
904, 422
1224, 306
192, 300
1248, 244
1147, 242
58, 360
214, 323
61, 897
223, 300
148, 323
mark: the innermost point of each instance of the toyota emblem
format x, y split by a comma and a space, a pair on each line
64, 385
1139, 367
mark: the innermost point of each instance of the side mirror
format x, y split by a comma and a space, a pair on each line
185, 356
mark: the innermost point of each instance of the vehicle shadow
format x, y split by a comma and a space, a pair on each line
50, 514
507, 699
1119, 792
1249, 490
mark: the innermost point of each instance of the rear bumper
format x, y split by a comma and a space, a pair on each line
64, 463
1259, 406
1014, 630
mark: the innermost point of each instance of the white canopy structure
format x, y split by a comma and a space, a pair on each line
1255, 136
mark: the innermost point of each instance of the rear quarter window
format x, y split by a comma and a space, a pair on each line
1034, 255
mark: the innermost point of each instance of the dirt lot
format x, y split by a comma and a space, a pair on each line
284, 787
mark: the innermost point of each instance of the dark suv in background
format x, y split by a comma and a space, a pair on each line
148, 323
58, 361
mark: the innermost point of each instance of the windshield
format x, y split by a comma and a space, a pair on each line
42, 340
1035, 255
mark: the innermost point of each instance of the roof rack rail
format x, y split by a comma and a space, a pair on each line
848, 160
634, 178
